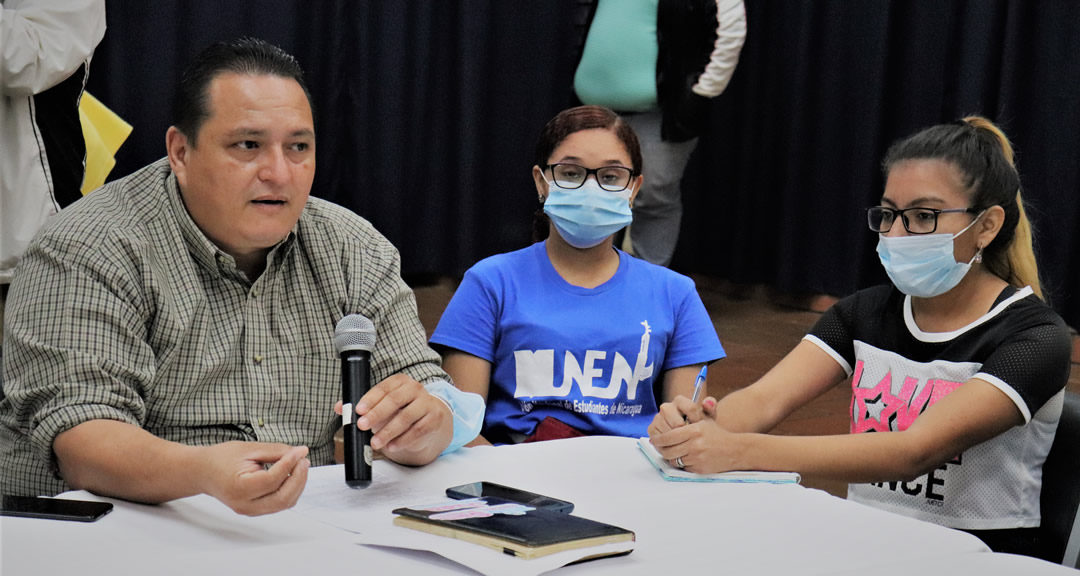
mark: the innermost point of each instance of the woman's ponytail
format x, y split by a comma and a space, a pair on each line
1020, 268
1016, 263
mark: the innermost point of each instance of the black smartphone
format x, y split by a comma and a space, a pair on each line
54, 508
485, 489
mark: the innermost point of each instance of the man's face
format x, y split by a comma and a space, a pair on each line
247, 179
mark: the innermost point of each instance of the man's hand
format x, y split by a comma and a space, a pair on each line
121, 460
410, 426
237, 475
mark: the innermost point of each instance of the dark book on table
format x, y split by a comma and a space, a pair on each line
511, 527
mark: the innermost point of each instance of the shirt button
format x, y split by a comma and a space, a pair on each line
254, 293
260, 422
258, 358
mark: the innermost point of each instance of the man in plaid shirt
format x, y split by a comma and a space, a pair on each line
172, 333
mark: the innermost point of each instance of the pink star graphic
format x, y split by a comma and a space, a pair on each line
862, 421
904, 409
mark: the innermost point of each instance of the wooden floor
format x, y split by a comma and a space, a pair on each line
757, 329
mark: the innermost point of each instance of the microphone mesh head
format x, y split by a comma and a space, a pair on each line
354, 332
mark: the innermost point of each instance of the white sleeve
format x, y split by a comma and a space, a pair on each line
44, 42
730, 34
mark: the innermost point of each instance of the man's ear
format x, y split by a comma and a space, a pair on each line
177, 146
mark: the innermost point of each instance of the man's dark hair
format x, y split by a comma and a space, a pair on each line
248, 56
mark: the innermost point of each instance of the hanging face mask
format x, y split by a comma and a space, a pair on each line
924, 266
586, 216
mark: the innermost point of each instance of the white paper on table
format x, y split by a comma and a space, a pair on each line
368, 512
329, 500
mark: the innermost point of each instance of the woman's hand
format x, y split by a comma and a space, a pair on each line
697, 442
677, 413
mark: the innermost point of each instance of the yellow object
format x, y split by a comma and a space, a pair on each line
104, 132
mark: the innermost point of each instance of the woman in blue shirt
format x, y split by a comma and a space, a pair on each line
572, 336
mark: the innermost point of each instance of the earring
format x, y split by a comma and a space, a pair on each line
541, 198
978, 255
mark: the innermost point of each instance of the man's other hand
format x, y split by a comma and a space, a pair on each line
255, 478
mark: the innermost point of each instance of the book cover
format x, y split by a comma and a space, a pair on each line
673, 474
512, 527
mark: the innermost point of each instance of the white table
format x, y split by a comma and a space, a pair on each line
719, 528
965, 564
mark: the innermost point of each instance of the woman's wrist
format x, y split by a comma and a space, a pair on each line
745, 447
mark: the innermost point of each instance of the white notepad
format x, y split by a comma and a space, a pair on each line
673, 474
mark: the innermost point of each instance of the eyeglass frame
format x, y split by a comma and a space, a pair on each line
903, 217
596, 175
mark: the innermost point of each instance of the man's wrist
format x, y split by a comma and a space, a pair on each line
195, 464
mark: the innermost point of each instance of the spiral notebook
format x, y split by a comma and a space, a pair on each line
673, 474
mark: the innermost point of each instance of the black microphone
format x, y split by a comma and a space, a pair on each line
354, 338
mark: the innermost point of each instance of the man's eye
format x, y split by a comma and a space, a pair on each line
247, 145
924, 215
301, 146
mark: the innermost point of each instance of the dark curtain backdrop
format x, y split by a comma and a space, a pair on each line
776, 191
427, 112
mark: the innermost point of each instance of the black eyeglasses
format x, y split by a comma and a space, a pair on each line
916, 220
610, 178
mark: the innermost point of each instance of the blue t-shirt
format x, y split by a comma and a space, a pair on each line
586, 356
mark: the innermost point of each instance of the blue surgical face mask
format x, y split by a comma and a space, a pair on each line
586, 216
924, 265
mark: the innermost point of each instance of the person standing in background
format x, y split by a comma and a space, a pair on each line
45, 50
658, 63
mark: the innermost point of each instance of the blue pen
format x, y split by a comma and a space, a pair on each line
699, 383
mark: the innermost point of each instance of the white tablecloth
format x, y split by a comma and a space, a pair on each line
711, 528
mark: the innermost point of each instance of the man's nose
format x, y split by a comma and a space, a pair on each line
274, 167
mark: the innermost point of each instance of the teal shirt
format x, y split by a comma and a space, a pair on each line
618, 65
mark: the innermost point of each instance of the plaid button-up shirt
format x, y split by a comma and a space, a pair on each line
122, 309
